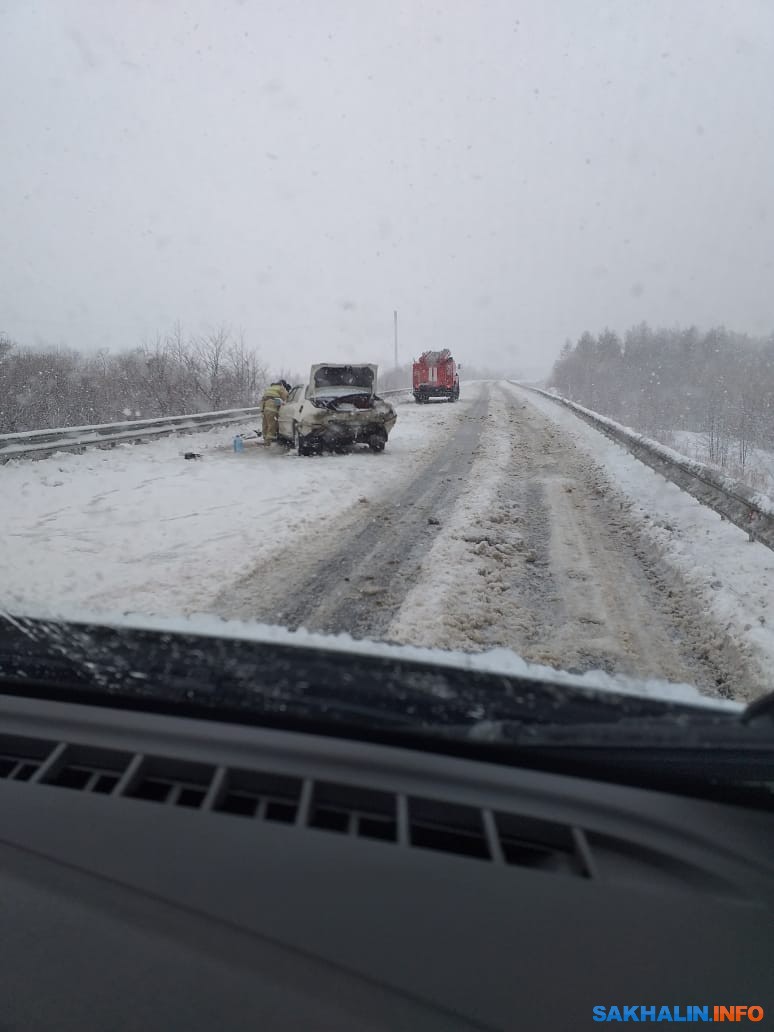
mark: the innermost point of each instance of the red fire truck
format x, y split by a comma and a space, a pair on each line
436, 375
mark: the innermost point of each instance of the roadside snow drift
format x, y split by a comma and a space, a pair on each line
731, 577
139, 528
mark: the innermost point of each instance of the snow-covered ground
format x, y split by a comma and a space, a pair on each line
757, 473
730, 576
554, 548
138, 528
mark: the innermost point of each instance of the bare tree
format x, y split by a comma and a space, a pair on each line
248, 376
211, 355
166, 375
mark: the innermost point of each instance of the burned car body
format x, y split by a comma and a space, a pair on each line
338, 409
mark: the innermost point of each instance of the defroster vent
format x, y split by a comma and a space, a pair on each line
394, 819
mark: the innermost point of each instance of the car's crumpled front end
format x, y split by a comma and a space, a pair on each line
344, 410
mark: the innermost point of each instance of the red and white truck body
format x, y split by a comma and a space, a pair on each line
436, 375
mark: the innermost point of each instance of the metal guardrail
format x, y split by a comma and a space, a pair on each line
732, 500
36, 444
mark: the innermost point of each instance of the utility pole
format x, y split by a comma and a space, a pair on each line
395, 319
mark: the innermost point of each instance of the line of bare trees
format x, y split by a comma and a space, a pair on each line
718, 384
172, 374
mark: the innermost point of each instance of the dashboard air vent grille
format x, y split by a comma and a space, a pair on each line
176, 782
448, 827
351, 809
392, 818
86, 769
248, 793
542, 845
21, 758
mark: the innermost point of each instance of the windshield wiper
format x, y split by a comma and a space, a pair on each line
243, 675
366, 697
226, 677
761, 711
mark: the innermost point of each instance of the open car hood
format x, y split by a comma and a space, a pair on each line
328, 376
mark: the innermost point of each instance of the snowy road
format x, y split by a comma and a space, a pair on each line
555, 569
513, 539
354, 575
502, 521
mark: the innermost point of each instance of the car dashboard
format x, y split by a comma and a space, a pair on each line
166, 872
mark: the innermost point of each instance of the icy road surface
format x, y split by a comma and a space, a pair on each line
501, 521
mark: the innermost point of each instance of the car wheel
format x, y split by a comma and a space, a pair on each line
377, 440
299, 443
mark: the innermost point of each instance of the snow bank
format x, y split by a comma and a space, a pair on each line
691, 465
757, 473
731, 576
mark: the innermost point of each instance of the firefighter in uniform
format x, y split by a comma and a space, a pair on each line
275, 395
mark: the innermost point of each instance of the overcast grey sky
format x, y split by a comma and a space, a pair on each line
505, 174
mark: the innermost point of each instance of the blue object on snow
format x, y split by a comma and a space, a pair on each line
239, 444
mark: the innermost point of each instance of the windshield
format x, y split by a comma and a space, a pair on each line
540, 238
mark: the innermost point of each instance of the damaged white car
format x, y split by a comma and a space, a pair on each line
338, 409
